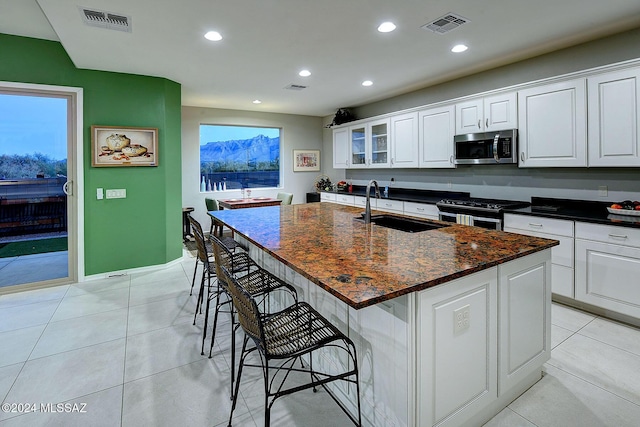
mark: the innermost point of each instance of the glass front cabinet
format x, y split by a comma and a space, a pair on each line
370, 144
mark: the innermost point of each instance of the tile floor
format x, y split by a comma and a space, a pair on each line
126, 348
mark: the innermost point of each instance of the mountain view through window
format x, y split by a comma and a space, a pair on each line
235, 157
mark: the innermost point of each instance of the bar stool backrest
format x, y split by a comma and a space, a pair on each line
222, 255
199, 237
246, 308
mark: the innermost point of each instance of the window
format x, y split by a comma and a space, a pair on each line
235, 157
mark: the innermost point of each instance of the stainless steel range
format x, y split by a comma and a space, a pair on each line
486, 213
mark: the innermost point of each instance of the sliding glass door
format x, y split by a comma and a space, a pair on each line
37, 215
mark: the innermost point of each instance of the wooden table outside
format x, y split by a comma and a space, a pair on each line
255, 202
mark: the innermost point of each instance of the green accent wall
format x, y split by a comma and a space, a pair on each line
145, 228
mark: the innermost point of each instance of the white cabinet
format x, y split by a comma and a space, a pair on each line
369, 144
421, 210
437, 129
562, 256
341, 148
497, 112
553, 125
390, 205
524, 295
456, 367
328, 197
404, 141
614, 118
381, 334
607, 266
345, 199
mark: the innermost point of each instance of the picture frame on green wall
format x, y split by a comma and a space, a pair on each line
121, 146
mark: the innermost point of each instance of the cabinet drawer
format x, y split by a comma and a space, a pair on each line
390, 205
559, 227
421, 209
328, 197
561, 254
344, 199
608, 234
362, 201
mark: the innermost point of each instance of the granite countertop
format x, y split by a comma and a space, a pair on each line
576, 210
365, 264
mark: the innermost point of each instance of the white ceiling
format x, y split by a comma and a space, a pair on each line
266, 43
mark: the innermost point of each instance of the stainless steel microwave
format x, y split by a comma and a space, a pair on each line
486, 148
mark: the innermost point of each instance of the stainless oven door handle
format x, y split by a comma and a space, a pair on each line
495, 148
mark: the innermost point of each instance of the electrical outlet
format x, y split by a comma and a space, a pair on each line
603, 191
117, 194
449, 185
461, 319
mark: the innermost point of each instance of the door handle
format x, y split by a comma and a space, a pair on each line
67, 189
522, 157
479, 122
486, 123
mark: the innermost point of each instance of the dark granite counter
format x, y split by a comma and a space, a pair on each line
576, 210
366, 264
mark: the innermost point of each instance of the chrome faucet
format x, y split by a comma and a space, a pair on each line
367, 209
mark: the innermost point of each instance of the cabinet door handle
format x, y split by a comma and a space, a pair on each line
617, 236
479, 122
420, 209
535, 225
486, 123
392, 161
451, 159
522, 157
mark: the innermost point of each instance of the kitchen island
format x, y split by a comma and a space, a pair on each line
450, 324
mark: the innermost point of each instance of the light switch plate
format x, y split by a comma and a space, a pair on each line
117, 194
99, 193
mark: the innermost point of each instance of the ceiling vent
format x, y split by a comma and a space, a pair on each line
108, 20
445, 23
295, 87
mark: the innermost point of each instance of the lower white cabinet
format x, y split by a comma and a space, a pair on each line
345, 199
327, 197
388, 205
421, 210
381, 334
457, 367
524, 319
607, 267
562, 256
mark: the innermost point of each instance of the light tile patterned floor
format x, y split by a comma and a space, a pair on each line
126, 347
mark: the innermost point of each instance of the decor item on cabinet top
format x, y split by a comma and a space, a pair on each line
323, 183
342, 116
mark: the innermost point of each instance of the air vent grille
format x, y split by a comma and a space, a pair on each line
108, 20
295, 87
445, 23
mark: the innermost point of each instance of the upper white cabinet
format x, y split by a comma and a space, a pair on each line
553, 125
497, 112
614, 118
437, 128
369, 143
404, 141
341, 148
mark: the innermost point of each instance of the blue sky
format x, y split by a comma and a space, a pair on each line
33, 124
214, 133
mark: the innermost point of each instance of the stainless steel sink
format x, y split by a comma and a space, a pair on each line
402, 224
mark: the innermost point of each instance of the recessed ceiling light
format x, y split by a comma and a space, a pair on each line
386, 27
214, 36
367, 83
459, 48
257, 101
304, 73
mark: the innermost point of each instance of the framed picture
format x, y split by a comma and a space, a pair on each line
123, 146
306, 160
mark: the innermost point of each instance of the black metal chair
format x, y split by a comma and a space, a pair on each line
228, 242
285, 337
257, 281
205, 254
